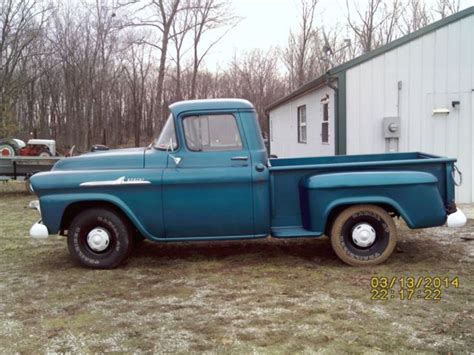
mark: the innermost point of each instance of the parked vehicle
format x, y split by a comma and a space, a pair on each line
22, 168
34, 148
208, 177
99, 147
39, 148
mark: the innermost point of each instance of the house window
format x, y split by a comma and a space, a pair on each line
271, 130
325, 123
302, 124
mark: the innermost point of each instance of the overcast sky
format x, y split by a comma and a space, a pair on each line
266, 23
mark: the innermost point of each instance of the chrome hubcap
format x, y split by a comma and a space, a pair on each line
363, 235
98, 239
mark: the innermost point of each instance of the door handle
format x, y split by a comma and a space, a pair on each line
240, 158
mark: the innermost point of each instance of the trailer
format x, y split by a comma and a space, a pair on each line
22, 168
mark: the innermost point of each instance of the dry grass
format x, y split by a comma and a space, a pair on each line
263, 296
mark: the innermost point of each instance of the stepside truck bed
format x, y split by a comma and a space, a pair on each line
290, 177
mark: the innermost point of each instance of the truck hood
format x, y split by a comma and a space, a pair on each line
130, 158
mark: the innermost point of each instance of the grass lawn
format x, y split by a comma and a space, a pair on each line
262, 296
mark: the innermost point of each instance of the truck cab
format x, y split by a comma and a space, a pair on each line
207, 177
214, 168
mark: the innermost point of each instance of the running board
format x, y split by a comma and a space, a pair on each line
293, 232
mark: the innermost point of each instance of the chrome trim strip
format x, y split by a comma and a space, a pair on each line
119, 181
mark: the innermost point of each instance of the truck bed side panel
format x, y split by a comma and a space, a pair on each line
286, 175
413, 194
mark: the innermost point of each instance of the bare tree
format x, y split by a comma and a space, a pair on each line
374, 24
255, 77
180, 30
415, 16
21, 24
447, 7
299, 54
207, 15
159, 15
137, 70
390, 18
88, 71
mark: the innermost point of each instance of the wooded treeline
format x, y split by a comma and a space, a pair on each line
105, 72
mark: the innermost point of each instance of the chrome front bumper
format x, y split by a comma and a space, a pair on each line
456, 219
38, 230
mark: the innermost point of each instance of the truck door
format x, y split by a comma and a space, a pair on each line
207, 185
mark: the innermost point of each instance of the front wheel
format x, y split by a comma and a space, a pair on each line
363, 235
100, 238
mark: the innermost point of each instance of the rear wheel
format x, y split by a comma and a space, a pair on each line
45, 154
100, 238
7, 150
363, 235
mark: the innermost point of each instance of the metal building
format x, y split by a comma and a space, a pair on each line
413, 94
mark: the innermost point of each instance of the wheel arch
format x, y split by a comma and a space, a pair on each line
389, 205
74, 208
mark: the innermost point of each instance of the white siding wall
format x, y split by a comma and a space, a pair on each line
284, 126
435, 70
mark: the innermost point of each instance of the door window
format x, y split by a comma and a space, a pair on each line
212, 133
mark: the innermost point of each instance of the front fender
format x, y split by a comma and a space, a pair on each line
414, 195
54, 206
136, 192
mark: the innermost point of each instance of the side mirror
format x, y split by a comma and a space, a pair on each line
176, 160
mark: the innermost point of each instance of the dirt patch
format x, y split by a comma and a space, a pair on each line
261, 296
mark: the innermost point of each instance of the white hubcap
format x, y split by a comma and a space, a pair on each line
363, 235
98, 239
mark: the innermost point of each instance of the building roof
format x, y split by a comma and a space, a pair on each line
309, 86
322, 80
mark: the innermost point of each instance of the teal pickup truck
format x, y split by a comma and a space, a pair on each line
207, 177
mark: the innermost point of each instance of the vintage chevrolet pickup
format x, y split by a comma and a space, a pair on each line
208, 177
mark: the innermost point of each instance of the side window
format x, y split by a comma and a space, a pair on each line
325, 123
211, 133
302, 124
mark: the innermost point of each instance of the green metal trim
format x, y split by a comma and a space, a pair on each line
350, 164
340, 116
269, 134
403, 40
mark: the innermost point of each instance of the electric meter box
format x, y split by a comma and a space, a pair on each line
391, 127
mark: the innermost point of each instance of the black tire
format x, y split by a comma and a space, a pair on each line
138, 237
115, 226
377, 223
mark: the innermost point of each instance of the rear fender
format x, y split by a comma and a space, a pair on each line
413, 195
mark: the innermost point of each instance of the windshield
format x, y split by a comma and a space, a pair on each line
167, 139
